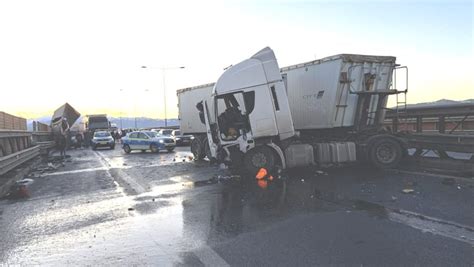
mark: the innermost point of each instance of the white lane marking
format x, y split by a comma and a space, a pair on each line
108, 167
435, 226
75, 171
209, 257
130, 181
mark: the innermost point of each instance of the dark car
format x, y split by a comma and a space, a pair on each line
180, 138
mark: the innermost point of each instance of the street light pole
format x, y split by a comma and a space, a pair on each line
164, 96
121, 114
163, 73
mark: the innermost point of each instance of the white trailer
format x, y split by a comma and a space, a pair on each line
323, 93
325, 111
190, 122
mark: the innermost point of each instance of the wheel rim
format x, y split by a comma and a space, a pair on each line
385, 153
153, 148
194, 149
126, 148
259, 160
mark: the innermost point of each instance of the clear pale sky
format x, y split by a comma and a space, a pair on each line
85, 52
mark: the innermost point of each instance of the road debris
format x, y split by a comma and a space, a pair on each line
51, 166
222, 166
131, 209
408, 191
448, 181
319, 172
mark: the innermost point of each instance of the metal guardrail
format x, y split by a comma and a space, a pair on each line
441, 142
17, 147
46, 146
11, 161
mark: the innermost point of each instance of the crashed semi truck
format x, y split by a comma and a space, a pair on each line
63, 118
97, 122
327, 111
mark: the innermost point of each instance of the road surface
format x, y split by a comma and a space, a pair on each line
106, 208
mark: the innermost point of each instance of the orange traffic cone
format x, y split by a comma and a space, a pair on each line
261, 174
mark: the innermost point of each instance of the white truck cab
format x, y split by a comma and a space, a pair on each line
241, 120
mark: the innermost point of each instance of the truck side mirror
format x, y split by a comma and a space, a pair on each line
200, 107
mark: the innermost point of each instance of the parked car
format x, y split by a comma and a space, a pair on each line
167, 132
102, 139
180, 138
147, 140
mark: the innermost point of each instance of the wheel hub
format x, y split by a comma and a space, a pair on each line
259, 160
385, 153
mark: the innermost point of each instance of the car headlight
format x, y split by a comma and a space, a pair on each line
192, 137
161, 141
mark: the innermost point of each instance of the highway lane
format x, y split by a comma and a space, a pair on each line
108, 207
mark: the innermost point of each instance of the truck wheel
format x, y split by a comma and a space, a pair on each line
127, 149
197, 149
385, 153
259, 157
207, 150
154, 148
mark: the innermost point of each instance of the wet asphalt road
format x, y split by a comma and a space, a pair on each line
105, 207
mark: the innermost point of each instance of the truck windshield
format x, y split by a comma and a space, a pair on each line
232, 115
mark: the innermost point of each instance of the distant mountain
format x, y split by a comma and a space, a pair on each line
441, 103
125, 122
142, 122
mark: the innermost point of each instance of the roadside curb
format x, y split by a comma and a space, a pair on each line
9, 179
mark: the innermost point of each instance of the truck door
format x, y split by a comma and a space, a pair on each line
211, 131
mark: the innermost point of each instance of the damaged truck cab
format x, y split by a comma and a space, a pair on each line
252, 111
250, 116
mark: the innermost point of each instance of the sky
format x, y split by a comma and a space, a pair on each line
90, 53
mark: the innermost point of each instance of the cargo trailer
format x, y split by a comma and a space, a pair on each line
190, 120
324, 111
63, 118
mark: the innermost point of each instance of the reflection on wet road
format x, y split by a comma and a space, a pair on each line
106, 207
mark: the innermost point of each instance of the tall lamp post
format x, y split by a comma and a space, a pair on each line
163, 72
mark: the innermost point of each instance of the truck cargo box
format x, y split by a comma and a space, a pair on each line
65, 111
189, 120
319, 92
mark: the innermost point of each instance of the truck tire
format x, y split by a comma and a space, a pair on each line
207, 151
385, 153
197, 148
259, 157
